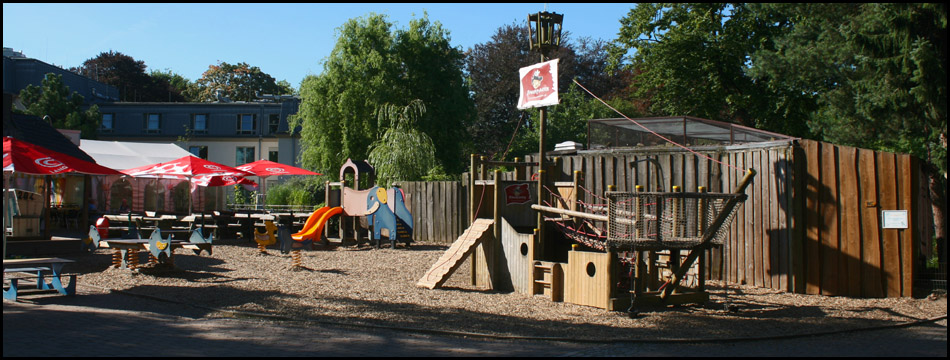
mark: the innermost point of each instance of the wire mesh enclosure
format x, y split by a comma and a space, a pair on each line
668, 220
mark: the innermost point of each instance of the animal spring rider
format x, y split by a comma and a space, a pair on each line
267, 237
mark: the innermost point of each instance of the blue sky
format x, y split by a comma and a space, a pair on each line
287, 41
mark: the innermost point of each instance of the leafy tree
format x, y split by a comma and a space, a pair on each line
129, 76
178, 84
692, 59
53, 99
403, 152
567, 121
432, 73
878, 75
492, 70
238, 82
372, 65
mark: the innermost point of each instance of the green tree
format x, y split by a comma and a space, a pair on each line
177, 83
403, 152
372, 65
567, 121
129, 77
238, 82
53, 99
878, 77
500, 129
432, 73
692, 59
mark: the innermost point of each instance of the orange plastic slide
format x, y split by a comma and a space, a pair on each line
313, 229
312, 220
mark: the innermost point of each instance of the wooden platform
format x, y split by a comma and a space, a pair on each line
453, 257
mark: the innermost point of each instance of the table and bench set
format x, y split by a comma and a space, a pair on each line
45, 275
36, 272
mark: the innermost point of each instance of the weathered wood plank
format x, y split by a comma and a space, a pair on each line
812, 220
828, 196
891, 246
850, 260
758, 244
908, 182
871, 239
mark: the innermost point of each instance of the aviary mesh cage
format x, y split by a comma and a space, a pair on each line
668, 220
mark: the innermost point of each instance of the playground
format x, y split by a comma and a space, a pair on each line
369, 286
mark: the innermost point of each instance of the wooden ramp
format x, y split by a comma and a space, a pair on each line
453, 257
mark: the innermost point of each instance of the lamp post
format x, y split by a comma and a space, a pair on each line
544, 35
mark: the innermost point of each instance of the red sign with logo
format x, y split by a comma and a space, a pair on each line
538, 85
517, 194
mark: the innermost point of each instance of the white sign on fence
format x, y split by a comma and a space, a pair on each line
894, 219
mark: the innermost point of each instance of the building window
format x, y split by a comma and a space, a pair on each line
199, 123
273, 123
199, 151
153, 123
246, 124
272, 155
245, 154
107, 122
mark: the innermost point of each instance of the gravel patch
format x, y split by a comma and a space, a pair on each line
362, 285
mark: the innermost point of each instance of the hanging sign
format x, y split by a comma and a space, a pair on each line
538, 85
517, 194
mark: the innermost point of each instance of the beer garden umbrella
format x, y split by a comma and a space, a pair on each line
264, 168
27, 158
187, 167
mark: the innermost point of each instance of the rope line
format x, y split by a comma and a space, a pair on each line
520, 119
654, 132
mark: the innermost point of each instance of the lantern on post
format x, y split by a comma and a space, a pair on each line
544, 31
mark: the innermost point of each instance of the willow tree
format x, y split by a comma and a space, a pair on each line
403, 152
371, 65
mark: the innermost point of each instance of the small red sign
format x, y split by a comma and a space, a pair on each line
517, 194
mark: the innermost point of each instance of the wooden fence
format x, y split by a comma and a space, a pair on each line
812, 223
438, 208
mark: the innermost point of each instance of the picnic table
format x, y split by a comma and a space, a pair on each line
38, 270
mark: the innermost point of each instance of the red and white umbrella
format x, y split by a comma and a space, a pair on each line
190, 168
27, 158
264, 168
222, 180
187, 166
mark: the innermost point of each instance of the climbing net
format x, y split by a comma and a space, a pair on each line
669, 220
590, 233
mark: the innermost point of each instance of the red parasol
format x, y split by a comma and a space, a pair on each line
264, 168
222, 180
23, 157
191, 168
187, 166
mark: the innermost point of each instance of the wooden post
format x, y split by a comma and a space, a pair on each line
702, 216
638, 229
540, 240
471, 189
519, 170
676, 228
494, 245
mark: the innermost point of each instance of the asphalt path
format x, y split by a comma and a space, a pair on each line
116, 324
